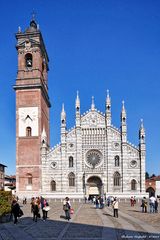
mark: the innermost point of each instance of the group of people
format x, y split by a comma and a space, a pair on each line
40, 203
153, 204
100, 202
37, 204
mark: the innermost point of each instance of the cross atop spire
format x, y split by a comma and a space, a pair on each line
33, 15
107, 93
123, 107
108, 101
142, 125
77, 101
63, 114
33, 23
92, 105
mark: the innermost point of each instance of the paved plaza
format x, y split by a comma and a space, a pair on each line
87, 223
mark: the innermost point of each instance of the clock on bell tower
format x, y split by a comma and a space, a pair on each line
32, 108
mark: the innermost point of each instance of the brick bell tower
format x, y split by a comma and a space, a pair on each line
32, 109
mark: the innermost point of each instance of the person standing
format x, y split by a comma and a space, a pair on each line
144, 205
115, 207
15, 208
45, 208
108, 201
132, 201
66, 208
35, 209
97, 202
152, 200
101, 202
32, 204
156, 206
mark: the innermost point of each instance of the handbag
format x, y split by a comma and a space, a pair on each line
47, 208
71, 211
20, 213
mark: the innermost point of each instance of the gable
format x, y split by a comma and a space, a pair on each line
93, 119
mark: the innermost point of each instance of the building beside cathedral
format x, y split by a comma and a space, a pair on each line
93, 158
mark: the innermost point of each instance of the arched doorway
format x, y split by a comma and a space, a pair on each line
151, 191
94, 186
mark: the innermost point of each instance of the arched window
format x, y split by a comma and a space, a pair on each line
28, 60
70, 161
53, 186
29, 176
117, 179
116, 161
133, 184
28, 131
71, 178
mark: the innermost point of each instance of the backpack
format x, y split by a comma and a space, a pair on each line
66, 207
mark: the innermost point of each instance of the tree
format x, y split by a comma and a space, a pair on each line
147, 175
153, 175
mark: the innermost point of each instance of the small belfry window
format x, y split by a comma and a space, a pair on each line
116, 179
53, 186
28, 131
116, 161
71, 178
28, 60
133, 184
70, 161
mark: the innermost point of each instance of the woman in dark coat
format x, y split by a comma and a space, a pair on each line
15, 208
35, 209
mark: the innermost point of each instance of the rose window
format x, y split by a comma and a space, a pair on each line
93, 158
133, 163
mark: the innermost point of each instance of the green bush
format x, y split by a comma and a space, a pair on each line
5, 202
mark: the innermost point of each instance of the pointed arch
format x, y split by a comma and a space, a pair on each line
53, 186
116, 179
71, 178
133, 184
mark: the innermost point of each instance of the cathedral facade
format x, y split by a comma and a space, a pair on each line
93, 158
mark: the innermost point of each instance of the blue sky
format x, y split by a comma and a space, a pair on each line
93, 45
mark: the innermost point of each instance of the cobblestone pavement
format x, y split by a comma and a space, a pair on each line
87, 223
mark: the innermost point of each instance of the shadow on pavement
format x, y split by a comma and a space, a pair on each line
27, 229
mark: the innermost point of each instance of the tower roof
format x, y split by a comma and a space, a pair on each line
33, 26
